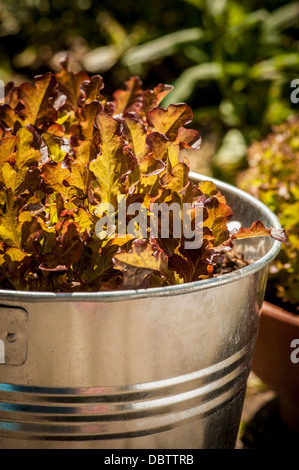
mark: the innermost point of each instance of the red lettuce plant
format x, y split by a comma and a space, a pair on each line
65, 149
272, 177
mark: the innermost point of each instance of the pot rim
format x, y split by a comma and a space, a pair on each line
278, 313
110, 296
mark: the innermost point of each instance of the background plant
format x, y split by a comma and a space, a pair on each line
232, 62
273, 177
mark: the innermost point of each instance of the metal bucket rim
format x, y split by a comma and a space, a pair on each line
108, 296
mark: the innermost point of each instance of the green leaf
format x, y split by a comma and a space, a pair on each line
185, 84
31, 232
58, 147
161, 47
219, 215
283, 17
152, 98
168, 121
66, 250
25, 179
36, 100
54, 176
91, 89
151, 166
89, 113
84, 151
64, 148
96, 263
78, 180
272, 68
163, 149
188, 138
257, 229
102, 58
209, 189
112, 163
25, 153
10, 227
7, 145
8, 117
136, 135
138, 264
15, 254
124, 99
70, 84
177, 180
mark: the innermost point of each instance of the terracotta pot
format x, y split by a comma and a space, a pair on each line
273, 361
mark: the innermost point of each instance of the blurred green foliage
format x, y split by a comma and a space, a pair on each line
231, 61
273, 177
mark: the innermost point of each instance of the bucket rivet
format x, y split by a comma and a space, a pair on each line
11, 337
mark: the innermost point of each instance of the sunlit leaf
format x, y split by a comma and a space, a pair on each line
66, 251
10, 227
26, 154
84, 151
54, 176
15, 254
149, 165
8, 118
168, 121
7, 145
152, 98
163, 149
89, 113
161, 46
78, 179
136, 135
188, 138
31, 232
177, 180
25, 179
65, 148
112, 163
219, 215
258, 229
70, 84
36, 100
138, 264
91, 89
132, 95
58, 147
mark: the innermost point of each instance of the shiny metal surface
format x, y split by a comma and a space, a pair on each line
157, 368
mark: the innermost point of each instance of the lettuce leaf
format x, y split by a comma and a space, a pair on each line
65, 148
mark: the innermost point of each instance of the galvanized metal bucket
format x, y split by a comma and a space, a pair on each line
162, 368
